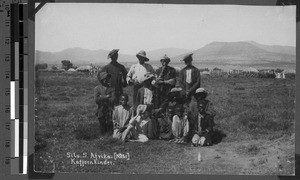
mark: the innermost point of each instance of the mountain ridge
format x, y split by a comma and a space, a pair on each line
243, 52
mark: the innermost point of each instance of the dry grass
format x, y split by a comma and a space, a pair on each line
248, 109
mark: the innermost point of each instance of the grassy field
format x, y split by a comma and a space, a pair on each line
255, 117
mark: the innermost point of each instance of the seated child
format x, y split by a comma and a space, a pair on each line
121, 116
140, 127
201, 95
205, 122
165, 124
180, 125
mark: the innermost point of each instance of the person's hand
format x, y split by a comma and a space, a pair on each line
160, 82
202, 132
130, 82
122, 129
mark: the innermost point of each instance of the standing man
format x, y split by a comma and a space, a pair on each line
118, 75
137, 72
189, 79
166, 79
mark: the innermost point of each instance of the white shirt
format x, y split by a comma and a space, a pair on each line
148, 95
137, 72
189, 76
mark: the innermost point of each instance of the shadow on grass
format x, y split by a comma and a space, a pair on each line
217, 136
86, 131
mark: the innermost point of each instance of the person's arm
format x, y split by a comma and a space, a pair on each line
172, 80
186, 128
130, 73
150, 68
114, 119
210, 109
124, 74
210, 124
148, 130
99, 96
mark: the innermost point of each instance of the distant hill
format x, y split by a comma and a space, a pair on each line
216, 53
78, 56
244, 53
170, 52
81, 56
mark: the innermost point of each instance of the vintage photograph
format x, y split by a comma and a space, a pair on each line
124, 88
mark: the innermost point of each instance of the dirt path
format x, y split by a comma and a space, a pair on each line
247, 157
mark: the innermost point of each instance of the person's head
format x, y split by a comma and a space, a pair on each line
104, 78
201, 107
188, 59
142, 57
124, 99
179, 110
144, 111
201, 94
148, 78
174, 94
113, 55
169, 111
165, 60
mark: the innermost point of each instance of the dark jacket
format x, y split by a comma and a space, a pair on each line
118, 75
195, 80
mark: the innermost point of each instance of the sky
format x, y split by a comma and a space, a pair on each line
135, 27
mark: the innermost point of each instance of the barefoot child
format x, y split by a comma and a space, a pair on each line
180, 125
205, 120
103, 95
121, 116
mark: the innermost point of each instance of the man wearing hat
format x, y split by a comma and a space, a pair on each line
103, 94
136, 74
189, 78
118, 75
166, 78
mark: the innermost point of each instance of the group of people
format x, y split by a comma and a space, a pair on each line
162, 102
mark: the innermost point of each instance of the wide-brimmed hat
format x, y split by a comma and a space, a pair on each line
178, 89
102, 75
141, 108
165, 58
148, 76
200, 91
187, 57
112, 52
142, 53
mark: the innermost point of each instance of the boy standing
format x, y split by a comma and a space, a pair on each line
103, 94
121, 117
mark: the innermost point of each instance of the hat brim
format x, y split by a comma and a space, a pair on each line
203, 92
146, 59
112, 53
149, 78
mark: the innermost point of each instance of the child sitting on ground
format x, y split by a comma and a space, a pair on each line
205, 121
140, 127
165, 124
180, 125
121, 116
